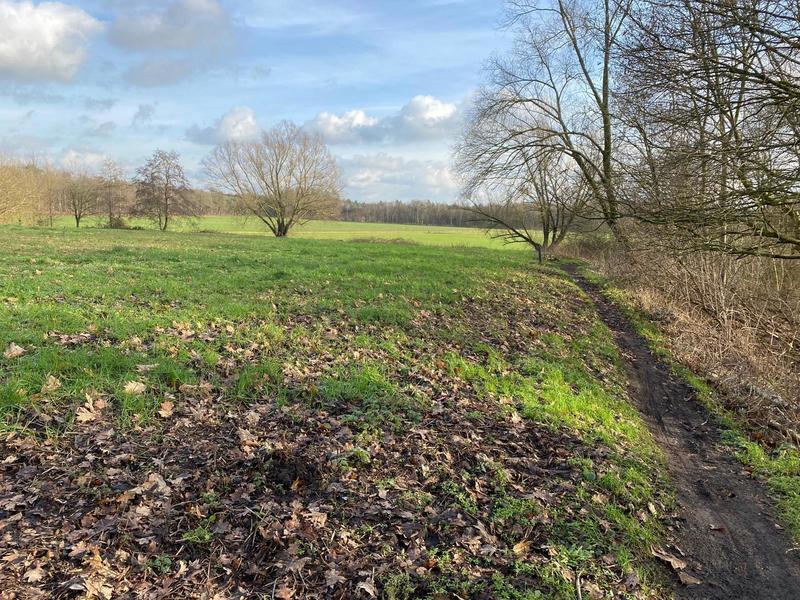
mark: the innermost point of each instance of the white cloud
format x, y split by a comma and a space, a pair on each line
83, 161
238, 124
382, 176
347, 127
45, 41
182, 25
422, 118
426, 116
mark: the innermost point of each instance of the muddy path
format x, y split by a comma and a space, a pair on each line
726, 526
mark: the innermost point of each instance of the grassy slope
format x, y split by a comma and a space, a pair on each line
390, 342
780, 466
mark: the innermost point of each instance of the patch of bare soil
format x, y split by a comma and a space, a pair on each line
727, 543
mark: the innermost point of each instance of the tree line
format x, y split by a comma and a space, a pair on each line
674, 126
681, 115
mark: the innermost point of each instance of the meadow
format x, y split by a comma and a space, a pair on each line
318, 230
240, 415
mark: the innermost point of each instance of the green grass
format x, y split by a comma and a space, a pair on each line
779, 467
318, 230
354, 330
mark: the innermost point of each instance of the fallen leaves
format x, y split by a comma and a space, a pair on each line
672, 560
166, 408
14, 351
34, 575
678, 565
134, 388
51, 385
522, 548
368, 587
280, 491
91, 410
687, 579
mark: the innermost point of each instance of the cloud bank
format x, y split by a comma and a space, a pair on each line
422, 118
46, 41
238, 124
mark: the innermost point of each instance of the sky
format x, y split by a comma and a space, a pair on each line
386, 83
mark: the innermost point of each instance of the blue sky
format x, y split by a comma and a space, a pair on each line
386, 83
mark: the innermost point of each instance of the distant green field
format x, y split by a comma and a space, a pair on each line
325, 230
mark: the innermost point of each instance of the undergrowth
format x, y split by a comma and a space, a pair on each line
779, 467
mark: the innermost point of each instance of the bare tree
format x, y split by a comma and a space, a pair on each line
513, 194
553, 93
285, 178
162, 190
81, 196
712, 99
112, 182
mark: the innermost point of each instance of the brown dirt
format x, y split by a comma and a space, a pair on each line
726, 526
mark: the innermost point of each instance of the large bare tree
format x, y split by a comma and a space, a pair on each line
712, 98
81, 194
553, 93
285, 178
162, 189
520, 194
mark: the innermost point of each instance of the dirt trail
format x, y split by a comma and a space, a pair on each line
727, 526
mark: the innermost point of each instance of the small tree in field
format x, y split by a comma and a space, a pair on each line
81, 195
162, 190
285, 178
112, 180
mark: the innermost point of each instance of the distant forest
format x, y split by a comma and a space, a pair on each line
416, 212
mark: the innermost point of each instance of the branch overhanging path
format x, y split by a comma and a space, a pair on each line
726, 525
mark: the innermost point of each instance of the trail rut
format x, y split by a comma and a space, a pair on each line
726, 525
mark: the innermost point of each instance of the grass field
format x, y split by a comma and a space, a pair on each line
190, 413
322, 230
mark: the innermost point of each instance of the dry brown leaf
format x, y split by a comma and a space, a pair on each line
34, 575
317, 518
368, 587
284, 592
134, 388
51, 385
14, 351
521, 548
84, 415
332, 578
672, 560
166, 409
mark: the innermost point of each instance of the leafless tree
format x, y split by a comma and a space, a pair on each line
553, 93
285, 178
112, 181
520, 198
81, 195
712, 98
162, 189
